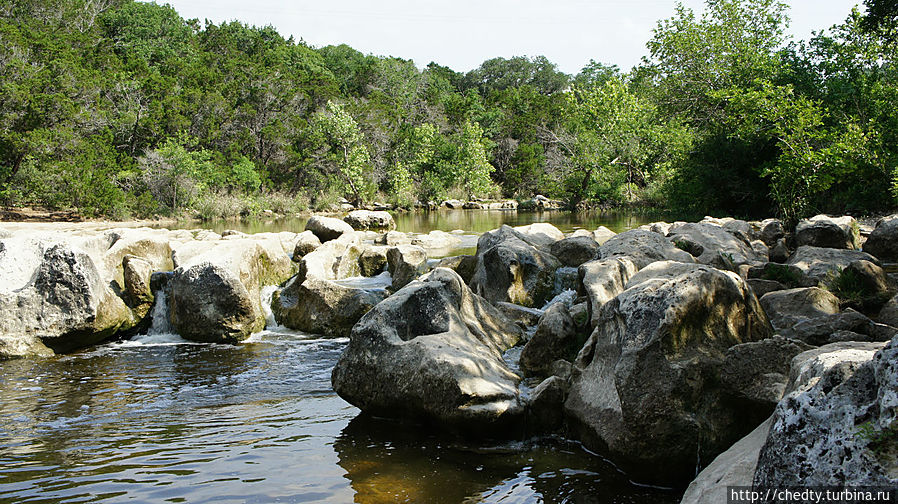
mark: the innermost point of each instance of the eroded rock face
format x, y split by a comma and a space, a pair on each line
711, 241
648, 388
829, 430
327, 228
889, 313
322, 306
575, 251
828, 232
883, 241
602, 280
432, 351
210, 304
785, 308
53, 295
405, 262
306, 243
643, 248
818, 262
512, 270
758, 371
556, 337
364, 220
772, 231
540, 234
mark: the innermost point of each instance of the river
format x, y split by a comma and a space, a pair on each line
157, 419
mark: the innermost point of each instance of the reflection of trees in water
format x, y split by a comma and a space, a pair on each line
390, 462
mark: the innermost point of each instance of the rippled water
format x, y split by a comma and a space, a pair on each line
158, 419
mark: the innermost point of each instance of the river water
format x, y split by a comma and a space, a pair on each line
158, 419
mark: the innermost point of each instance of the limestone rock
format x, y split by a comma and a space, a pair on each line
373, 260
432, 351
575, 251
643, 248
818, 263
602, 280
366, 219
772, 231
603, 234
327, 228
306, 243
405, 262
788, 307
713, 240
758, 371
883, 241
648, 390
540, 234
556, 337
828, 232
321, 306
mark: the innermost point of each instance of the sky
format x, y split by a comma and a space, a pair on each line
461, 34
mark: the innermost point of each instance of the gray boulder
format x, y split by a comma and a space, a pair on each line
711, 241
364, 220
540, 234
545, 410
576, 250
512, 270
788, 307
393, 238
373, 260
602, 280
306, 243
849, 325
648, 388
322, 306
828, 232
556, 337
405, 263
436, 241
758, 371
432, 351
772, 231
464, 265
838, 427
883, 241
327, 228
603, 234
643, 248
818, 263
761, 286
871, 279
889, 313
210, 304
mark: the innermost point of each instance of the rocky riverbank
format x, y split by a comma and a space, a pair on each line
660, 347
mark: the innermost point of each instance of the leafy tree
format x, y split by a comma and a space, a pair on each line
345, 150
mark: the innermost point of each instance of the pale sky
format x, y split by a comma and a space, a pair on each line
463, 33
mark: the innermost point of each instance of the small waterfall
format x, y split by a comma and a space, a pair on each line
161, 321
267, 294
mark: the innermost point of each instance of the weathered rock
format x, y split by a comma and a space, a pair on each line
761, 286
545, 411
602, 280
788, 307
889, 313
327, 228
349, 264
453, 204
603, 234
511, 269
828, 232
818, 263
373, 260
136, 273
432, 351
394, 238
820, 330
364, 220
758, 371
883, 241
871, 278
576, 250
405, 262
321, 306
306, 243
661, 227
539, 234
436, 240
556, 337
210, 304
324, 262
643, 248
464, 265
838, 427
525, 317
734, 467
772, 231
779, 253
714, 240
648, 391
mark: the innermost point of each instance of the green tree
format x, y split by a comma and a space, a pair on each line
344, 150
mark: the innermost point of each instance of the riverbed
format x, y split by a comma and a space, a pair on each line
158, 419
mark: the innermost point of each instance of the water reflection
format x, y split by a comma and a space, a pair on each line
387, 462
471, 221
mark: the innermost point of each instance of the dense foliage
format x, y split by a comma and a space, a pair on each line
123, 108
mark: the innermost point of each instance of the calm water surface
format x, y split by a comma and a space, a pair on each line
161, 420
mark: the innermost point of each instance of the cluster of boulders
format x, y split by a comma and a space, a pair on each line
663, 347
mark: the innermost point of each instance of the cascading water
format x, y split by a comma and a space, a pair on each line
160, 321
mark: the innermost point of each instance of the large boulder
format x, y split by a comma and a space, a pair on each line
436, 240
785, 308
883, 241
327, 228
648, 387
772, 231
540, 234
889, 313
643, 248
828, 232
602, 280
708, 243
364, 220
849, 325
819, 263
575, 250
405, 263
53, 296
603, 234
321, 306
512, 269
306, 243
556, 337
758, 371
838, 427
432, 351
340, 254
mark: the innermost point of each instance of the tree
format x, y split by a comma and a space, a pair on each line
344, 149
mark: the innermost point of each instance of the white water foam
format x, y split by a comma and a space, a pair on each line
375, 283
